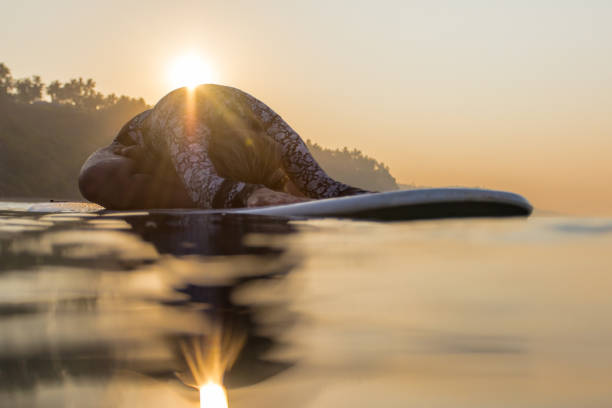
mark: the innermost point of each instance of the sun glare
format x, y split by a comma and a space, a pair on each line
212, 396
189, 70
208, 358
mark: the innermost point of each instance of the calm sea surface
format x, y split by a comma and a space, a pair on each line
128, 310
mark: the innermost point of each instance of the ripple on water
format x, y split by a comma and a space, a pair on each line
332, 312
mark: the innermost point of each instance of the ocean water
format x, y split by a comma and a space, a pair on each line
129, 310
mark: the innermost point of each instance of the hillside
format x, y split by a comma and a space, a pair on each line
354, 168
43, 145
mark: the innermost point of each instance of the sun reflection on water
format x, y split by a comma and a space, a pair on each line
213, 396
208, 358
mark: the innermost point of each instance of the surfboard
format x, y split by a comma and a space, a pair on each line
429, 203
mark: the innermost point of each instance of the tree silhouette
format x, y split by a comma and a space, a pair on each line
6, 80
78, 93
353, 167
29, 90
110, 100
83, 95
55, 91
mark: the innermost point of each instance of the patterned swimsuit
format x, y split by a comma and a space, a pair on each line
182, 124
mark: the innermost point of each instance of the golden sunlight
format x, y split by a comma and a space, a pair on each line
189, 70
208, 357
212, 396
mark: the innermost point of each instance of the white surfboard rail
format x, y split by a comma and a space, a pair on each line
394, 205
398, 199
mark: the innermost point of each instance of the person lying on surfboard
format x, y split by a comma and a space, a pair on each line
210, 147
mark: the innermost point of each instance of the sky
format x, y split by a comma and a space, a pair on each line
512, 95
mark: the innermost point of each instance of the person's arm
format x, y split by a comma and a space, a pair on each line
300, 166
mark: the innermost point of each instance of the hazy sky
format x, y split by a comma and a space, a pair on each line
513, 95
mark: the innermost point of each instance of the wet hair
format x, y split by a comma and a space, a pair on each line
241, 150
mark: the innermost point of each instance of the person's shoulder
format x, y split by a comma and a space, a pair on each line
138, 120
131, 132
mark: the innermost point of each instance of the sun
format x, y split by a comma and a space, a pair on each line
189, 70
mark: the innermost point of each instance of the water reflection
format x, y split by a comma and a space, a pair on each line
100, 311
87, 298
210, 285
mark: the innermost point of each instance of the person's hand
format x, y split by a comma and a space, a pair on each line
264, 196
